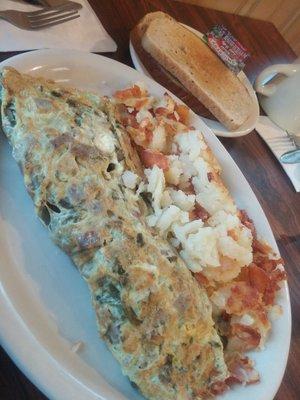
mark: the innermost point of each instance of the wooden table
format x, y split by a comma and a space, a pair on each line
270, 184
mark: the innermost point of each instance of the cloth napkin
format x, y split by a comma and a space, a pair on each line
271, 133
85, 33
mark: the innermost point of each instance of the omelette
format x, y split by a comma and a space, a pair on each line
154, 317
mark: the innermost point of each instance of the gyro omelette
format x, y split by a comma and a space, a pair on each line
153, 315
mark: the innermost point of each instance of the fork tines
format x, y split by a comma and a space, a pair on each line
51, 16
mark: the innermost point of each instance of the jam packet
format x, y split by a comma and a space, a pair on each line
227, 47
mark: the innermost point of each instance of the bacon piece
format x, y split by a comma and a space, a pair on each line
134, 91
243, 338
199, 212
265, 263
245, 220
219, 388
260, 247
241, 369
149, 135
201, 278
150, 158
183, 112
270, 292
172, 116
243, 297
126, 118
258, 278
139, 104
188, 188
161, 111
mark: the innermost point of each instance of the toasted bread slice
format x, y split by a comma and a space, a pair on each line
191, 61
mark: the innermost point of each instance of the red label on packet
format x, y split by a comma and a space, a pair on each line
227, 47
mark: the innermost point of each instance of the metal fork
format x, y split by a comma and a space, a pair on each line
34, 20
287, 140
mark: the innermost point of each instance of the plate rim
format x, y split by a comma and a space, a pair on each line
41, 380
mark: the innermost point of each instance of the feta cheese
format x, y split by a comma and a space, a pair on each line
104, 140
130, 179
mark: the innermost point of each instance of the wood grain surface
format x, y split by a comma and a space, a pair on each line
269, 182
286, 19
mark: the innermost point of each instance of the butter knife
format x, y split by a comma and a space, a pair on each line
291, 157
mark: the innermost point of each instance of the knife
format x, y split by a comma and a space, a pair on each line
291, 157
52, 3
43, 3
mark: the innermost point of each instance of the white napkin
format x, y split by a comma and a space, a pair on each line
272, 134
85, 33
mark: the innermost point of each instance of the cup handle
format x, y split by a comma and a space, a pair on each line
261, 85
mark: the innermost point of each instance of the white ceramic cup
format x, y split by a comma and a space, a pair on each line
281, 100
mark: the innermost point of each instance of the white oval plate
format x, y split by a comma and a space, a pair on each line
45, 305
217, 127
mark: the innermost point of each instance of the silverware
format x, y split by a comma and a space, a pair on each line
291, 157
34, 20
53, 3
285, 140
